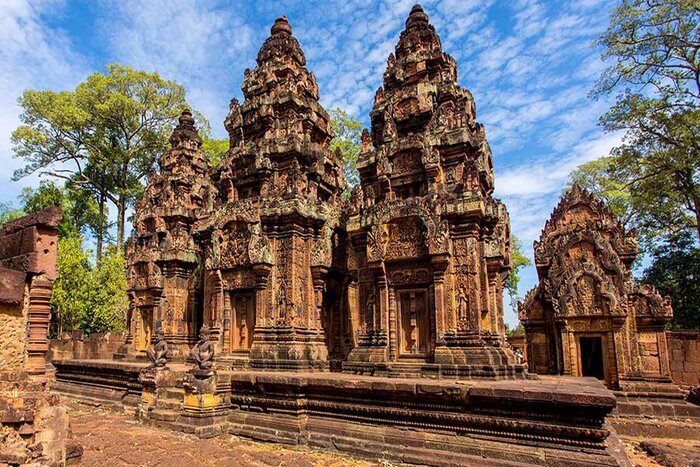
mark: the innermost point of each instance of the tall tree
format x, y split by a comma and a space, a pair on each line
675, 271
517, 262
654, 78
348, 139
215, 149
105, 135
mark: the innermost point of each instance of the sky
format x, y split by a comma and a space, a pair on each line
529, 64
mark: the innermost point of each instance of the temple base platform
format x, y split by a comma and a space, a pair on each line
548, 421
656, 397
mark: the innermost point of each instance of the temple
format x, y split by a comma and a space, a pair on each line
587, 316
404, 278
370, 323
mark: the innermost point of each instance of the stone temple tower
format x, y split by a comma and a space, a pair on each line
268, 250
162, 256
430, 246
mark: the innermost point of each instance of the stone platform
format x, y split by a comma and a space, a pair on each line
654, 399
551, 421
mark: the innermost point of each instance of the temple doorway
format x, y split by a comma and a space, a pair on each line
242, 320
413, 323
591, 351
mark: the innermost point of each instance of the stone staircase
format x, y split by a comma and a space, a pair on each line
653, 399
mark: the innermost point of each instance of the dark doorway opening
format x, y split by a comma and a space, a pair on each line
592, 357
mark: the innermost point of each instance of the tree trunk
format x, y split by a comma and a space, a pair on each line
100, 227
121, 220
696, 201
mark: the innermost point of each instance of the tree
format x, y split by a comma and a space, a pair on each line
517, 262
105, 135
348, 139
215, 149
88, 298
675, 271
109, 301
70, 298
80, 213
8, 212
655, 80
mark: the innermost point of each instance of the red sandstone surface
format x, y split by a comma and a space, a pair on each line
116, 439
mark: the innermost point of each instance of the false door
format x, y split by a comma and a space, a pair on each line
242, 320
413, 323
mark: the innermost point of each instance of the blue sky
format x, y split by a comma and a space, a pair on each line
528, 63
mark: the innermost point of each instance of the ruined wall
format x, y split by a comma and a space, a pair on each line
97, 346
12, 330
34, 427
684, 356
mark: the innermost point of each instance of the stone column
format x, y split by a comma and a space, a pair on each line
227, 312
39, 316
393, 343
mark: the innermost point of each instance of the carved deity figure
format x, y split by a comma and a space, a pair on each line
159, 354
282, 305
203, 350
463, 304
369, 315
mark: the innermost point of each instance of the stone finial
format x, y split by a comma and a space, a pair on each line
281, 26
416, 16
185, 129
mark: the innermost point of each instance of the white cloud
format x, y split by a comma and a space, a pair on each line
194, 43
32, 56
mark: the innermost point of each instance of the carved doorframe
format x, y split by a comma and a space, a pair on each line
607, 346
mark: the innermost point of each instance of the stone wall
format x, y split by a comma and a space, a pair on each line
34, 426
684, 355
97, 346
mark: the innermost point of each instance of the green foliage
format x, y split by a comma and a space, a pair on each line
348, 140
80, 213
71, 297
518, 331
8, 212
653, 178
592, 177
214, 148
88, 298
104, 136
518, 261
109, 302
675, 271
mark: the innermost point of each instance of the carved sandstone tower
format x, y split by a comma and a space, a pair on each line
269, 238
430, 245
162, 256
587, 316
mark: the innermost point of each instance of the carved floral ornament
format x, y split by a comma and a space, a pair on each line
587, 291
559, 247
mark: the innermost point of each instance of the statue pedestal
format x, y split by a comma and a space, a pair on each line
202, 407
152, 380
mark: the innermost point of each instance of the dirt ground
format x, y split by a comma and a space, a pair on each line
654, 441
116, 439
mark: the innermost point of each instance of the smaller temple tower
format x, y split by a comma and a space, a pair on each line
587, 316
164, 280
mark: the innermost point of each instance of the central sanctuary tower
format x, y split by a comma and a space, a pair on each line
430, 246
